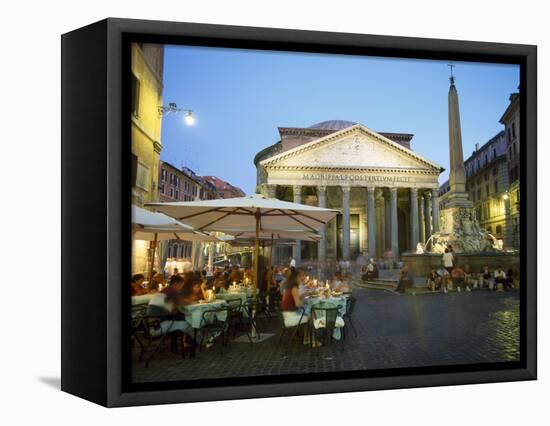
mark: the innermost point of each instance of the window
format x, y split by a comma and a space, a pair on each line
134, 99
177, 194
142, 176
479, 194
162, 189
514, 149
495, 171
509, 152
489, 230
496, 186
499, 230
494, 153
163, 174
514, 130
509, 135
172, 192
487, 189
486, 159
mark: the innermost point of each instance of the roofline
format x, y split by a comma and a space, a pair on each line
514, 99
484, 146
354, 128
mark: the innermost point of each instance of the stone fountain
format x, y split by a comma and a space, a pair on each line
458, 224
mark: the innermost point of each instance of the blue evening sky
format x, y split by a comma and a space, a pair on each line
240, 97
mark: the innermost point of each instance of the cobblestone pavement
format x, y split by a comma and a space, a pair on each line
393, 331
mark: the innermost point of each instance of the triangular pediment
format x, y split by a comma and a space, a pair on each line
356, 147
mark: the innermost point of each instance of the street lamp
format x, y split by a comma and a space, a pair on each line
172, 108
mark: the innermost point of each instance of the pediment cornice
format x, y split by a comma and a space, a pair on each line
358, 129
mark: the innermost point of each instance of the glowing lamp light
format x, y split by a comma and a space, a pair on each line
505, 196
189, 118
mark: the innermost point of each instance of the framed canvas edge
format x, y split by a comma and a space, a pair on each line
118, 27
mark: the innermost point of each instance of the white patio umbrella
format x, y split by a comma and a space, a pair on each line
152, 226
253, 213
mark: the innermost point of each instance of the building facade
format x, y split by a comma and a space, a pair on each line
387, 194
182, 184
487, 187
511, 121
225, 189
146, 96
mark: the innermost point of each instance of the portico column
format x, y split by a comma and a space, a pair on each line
393, 224
322, 246
345, 223
387, 227
427, 216
371, 222
421, 236
435, 211
271, 191
414, 219
297, 250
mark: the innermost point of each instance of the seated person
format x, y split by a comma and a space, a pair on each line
235, 275
406, 279
487, 278
158, 279
459, 278
512, 276
445, 277
163, 307
292, 305
137, 282
192, 290
468, 277
337, 281
500, 278
434, 281
221, 281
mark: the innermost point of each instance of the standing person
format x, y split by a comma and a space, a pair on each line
291, 262
448, 260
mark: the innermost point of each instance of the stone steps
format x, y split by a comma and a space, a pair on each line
379, 284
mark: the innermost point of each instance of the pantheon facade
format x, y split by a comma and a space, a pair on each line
386, 193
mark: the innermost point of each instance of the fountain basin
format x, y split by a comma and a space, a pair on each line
421, 264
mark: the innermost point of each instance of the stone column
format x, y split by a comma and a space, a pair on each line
297, 250
427, 216
387, 227
345, 223
435, 210
414, 219
371, 222
421, 235
393, 224
271, 191
322, 246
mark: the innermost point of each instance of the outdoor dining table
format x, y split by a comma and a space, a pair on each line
337, 301
193, 313
142, 299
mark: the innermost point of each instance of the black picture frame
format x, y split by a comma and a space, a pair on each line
96, 174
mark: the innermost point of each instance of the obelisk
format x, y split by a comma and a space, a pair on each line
458, 223
458, 197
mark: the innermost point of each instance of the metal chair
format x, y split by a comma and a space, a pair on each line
350, 306
138, 326
215, 323
324, 318
287, 329
251, 309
